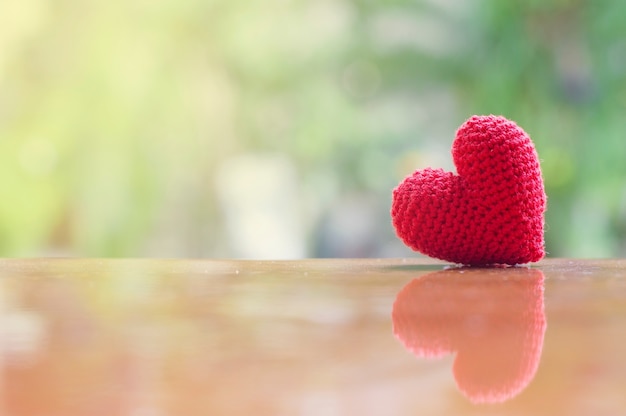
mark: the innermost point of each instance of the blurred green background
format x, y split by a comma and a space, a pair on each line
278, 128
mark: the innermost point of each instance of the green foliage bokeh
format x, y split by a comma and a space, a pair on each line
115, 116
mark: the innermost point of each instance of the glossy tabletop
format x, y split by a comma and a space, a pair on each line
313, 337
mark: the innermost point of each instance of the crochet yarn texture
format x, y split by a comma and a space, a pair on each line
490, 213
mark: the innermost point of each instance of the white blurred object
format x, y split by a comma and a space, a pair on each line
22, 336
258, 195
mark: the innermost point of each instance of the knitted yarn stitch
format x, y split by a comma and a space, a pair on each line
490, 213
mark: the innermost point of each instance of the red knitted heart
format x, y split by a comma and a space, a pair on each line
492, 320
490, 213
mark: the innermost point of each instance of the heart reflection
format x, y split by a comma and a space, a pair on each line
492, 319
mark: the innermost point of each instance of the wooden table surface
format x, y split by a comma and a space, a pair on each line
314, 337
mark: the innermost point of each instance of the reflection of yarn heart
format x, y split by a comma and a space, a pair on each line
493, 319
